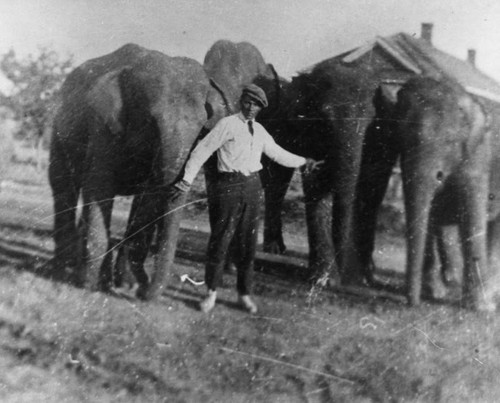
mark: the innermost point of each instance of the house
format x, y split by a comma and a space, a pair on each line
401, 56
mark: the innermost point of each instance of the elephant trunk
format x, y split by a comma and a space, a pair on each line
418, 194
167, 241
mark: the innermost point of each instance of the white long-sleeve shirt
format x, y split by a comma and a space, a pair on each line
237, 149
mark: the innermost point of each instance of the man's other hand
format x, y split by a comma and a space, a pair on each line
311, 165
177, 190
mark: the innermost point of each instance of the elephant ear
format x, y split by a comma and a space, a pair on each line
105, 101
227, 105
217, 105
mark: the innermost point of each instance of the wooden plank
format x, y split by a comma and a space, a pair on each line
263, 258
367, 292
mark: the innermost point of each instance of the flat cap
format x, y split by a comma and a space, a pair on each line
256, 93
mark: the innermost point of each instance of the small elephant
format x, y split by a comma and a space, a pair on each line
445, 148
125, 127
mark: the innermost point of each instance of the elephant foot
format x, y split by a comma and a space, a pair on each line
452, 279
357, 282
275, 247
484, 305
483, 300
487, 306
142, 293
124, 290
363, 278
62, 273
436, 291
324, 279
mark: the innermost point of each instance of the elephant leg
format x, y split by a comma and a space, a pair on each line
448, 244
122, 272
343, 234
476, 282
433, 283
275, 179
379, 159
494, 242
65, 231
494, 252
322, 260
96, 246
98, 197
143, 220
65, 188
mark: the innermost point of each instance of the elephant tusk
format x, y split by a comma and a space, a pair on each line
185, 277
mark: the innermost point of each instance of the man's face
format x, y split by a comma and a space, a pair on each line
249, 107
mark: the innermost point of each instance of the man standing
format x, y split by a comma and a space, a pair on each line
239, 142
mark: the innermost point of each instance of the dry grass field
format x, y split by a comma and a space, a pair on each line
63, 344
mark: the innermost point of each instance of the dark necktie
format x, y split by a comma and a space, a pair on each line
250, 126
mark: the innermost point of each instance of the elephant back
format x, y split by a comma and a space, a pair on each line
85, 76
234, 65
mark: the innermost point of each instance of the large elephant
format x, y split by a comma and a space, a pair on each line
328, 113
445, 146
232, 66
125, 127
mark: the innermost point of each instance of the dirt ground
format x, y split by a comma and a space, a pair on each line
63, 344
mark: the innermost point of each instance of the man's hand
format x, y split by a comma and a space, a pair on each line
182, 185
311, 165
177, 190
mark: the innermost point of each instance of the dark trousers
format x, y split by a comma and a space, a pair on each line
235, 209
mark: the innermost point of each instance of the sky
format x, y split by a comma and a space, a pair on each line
291, 34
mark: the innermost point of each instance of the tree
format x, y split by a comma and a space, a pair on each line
36, 82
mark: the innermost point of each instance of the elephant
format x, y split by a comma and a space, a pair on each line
447, 164
126, 124
328, 110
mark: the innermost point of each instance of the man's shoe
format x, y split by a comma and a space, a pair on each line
246, 302
209, 302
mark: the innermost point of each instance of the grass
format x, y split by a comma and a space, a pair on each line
59, 343
332, 349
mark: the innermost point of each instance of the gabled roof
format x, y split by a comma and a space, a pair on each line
420, 57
